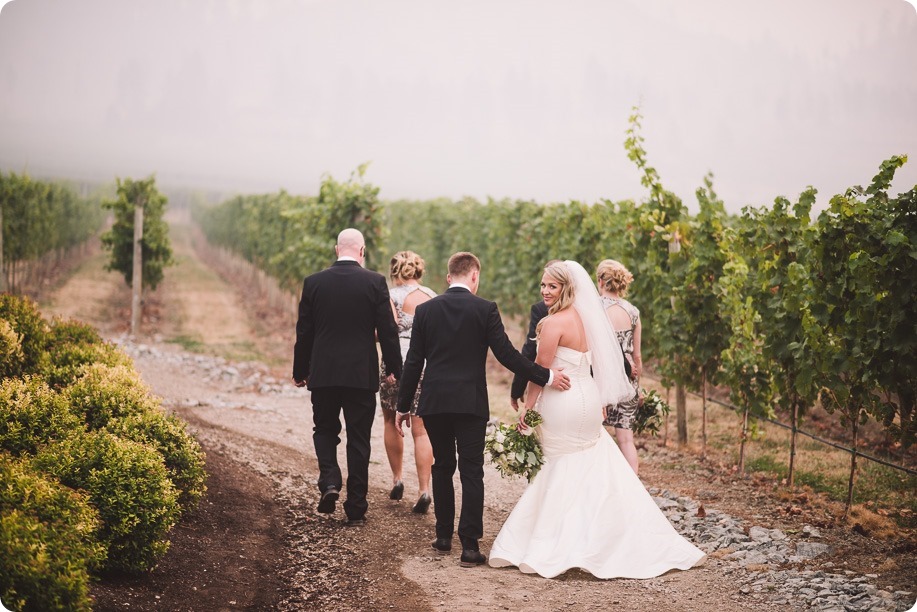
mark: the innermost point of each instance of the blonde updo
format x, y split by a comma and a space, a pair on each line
613, 277
406, 265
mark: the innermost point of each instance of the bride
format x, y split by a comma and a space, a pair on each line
586, 508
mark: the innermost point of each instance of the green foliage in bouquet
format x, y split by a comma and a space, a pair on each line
128, 483
650, 413
32, 415
515, 453
182, 454
48, 541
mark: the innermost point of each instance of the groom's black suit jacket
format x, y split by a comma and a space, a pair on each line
341, 310
452, 333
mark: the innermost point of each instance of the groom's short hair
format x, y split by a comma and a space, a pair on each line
463, 263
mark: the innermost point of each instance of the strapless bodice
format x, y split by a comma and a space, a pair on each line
575, 363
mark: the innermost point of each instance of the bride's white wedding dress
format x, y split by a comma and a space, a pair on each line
586, 508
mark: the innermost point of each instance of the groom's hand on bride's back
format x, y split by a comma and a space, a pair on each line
561, 381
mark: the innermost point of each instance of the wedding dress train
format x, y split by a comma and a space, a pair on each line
586, 508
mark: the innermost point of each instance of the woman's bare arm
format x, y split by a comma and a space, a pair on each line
548, 342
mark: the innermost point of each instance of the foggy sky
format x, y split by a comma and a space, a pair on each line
520, 99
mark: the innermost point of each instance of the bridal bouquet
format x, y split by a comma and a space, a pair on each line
514, 452
650, 413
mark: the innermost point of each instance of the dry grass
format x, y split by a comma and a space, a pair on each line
818, 466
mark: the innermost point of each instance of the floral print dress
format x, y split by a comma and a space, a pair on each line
622, 415
388, 392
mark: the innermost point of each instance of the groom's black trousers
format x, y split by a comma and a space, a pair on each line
359, 411
462, 433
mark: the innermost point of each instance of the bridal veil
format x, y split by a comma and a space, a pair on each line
607, 358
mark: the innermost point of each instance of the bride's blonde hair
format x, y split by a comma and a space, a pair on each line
559, 272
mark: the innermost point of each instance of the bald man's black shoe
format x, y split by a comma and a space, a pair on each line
442, 545
329, 497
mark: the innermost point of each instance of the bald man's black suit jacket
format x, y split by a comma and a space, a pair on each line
341, 309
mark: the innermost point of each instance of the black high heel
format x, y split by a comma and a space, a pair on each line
397, 491
422, 505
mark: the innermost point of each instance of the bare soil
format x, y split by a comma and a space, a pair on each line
256, 542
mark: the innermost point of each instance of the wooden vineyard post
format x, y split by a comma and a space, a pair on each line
744, 439
137, 275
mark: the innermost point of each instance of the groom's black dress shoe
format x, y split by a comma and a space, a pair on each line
442, 545
355, 522
471, 555
472, 558
329, 497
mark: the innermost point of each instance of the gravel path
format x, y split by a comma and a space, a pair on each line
264, 424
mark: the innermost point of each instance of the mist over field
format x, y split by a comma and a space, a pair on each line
514, 99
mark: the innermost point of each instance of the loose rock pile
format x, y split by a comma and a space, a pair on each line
754, 557
236, 377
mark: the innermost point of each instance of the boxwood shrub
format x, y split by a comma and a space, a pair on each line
182, 454
104, 392
129, 485
10, 350
25, 319
48, 543
72, 345
31, 415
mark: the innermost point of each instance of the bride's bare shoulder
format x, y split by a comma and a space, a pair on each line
563, 318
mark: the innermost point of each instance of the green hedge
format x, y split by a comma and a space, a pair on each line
48, 541
103, 472
32, 415
106, 392
76, 344
128, 483
23, 316
183, 456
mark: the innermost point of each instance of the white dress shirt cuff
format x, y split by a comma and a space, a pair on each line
550, 378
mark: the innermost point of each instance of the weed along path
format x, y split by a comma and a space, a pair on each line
256, 542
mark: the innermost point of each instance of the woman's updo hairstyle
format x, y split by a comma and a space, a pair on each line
406, 265
614, 277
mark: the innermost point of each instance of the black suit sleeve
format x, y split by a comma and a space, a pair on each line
387, 331
529, 348
507, 355
305, 337
413, 363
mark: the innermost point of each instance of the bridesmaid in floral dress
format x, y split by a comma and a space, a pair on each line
613, 280
406, 270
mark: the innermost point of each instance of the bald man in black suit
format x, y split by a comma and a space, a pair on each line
341, 311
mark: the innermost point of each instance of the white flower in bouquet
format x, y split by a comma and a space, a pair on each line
515, 452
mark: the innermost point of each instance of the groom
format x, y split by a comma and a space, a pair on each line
452, 333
